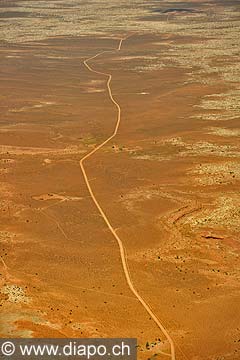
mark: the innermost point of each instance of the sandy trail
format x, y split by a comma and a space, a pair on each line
104, 216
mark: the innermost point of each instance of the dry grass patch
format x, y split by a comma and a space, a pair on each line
217, 173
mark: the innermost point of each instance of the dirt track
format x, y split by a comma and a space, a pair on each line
104, 216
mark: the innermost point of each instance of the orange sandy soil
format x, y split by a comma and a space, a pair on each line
61, 271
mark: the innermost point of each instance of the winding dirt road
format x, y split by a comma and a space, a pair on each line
104, 216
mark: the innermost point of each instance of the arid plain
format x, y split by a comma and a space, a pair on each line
168, 181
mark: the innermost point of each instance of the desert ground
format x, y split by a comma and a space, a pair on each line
168, 181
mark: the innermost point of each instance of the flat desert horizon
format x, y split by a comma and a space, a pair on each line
120, 174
